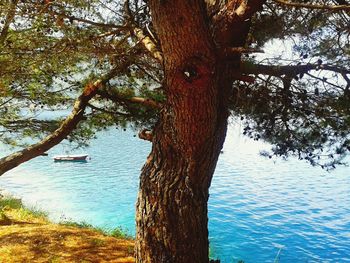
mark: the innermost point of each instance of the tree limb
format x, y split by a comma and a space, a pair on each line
8, 20
87, 21
342, 2
334, 8
233, 20
146, 135
148, 43
69, 124
117, 98
107, 111
146, 40
232, 51
290, 70
146, 102
244, 8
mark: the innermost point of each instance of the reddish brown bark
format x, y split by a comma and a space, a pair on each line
171, 213
172, 202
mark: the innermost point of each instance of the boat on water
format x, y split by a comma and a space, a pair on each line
71, 158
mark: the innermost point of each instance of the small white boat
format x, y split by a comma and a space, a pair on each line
71, 158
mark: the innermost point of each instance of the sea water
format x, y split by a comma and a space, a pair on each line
260, 210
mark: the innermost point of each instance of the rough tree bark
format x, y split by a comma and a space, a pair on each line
171, 215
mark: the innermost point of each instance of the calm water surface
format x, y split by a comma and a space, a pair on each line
257, 207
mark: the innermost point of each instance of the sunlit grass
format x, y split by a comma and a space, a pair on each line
117, 232
11, 207
10, 202
27, 234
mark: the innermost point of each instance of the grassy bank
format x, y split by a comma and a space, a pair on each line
26, 235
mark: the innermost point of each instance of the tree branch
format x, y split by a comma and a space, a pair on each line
146, 102
242, 8
87, 21
245, 8
232, 51
233, 20
146, 40
117, 98
8, 20
146, 135
107, 111
333, 8
148, 43
68, 125
290, 70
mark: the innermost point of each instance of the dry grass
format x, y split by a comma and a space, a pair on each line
30, 238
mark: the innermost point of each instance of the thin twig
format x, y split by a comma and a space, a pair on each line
334, 8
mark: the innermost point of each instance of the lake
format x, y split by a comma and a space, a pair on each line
259, 208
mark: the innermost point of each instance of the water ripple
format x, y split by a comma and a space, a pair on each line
256, 207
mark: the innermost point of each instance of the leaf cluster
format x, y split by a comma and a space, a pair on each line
50, 50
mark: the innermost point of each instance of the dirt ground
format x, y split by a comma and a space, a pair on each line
29, 239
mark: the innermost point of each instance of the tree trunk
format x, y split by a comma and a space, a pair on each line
171, 212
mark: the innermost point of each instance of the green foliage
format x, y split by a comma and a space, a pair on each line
81, 224
303, 114
13, 203
51, 51
23, 212
298, 121
315, 33
32, 211
117, 232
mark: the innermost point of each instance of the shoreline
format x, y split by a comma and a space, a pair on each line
5, 193
29, 236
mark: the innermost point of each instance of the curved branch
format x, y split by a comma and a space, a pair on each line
244, 9
146, 102
333, 8
68, 125
146, 135
231, 24
107, 111
324, 80
146, 40
117, 98
290, 70
228, 52
148, 43
87, 21
8, 20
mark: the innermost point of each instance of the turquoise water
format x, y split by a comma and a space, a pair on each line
258, 207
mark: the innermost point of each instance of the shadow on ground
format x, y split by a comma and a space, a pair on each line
22, 241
